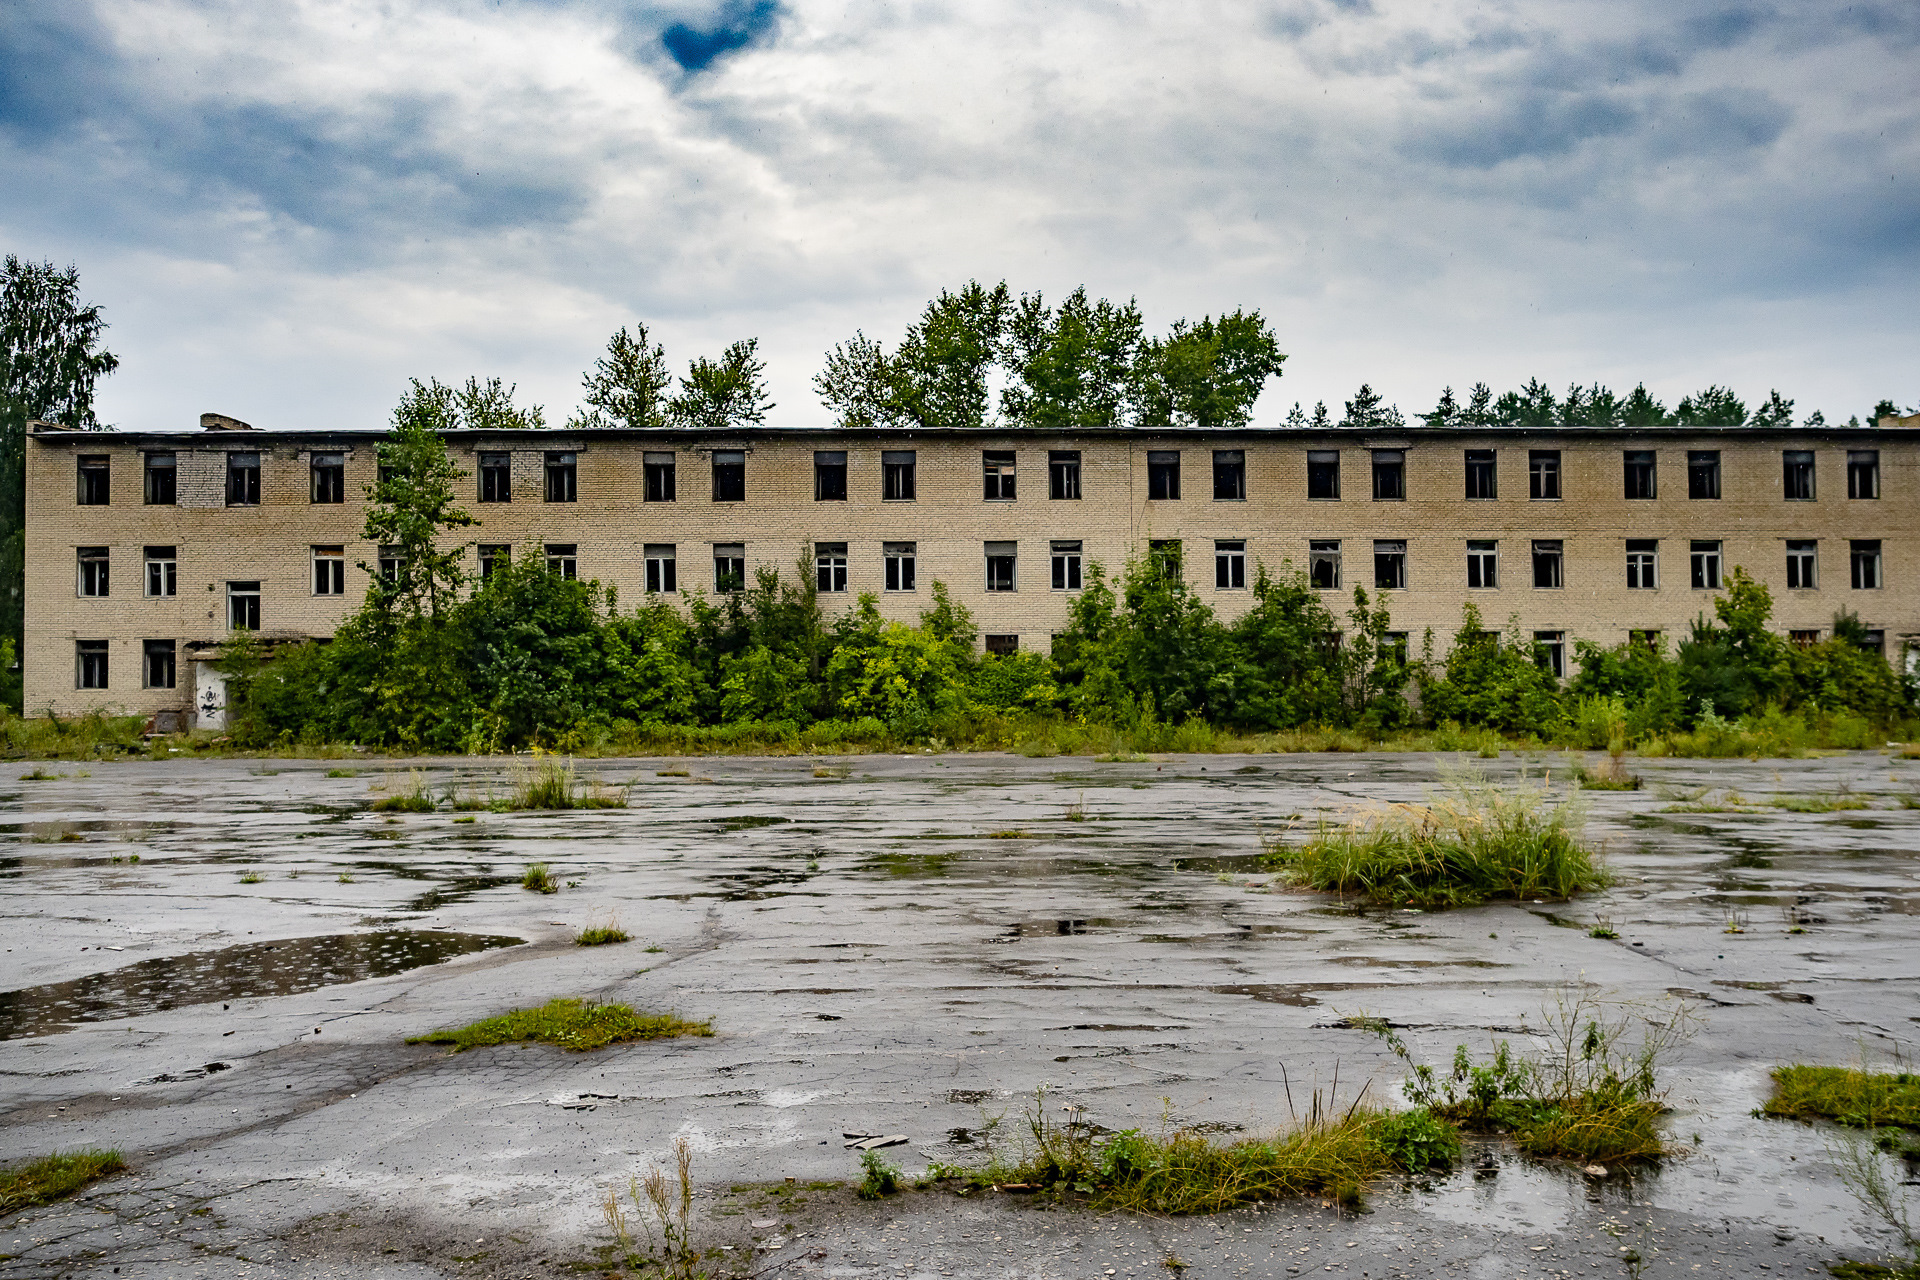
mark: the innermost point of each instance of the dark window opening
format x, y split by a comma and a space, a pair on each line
1063, 474
96, 489
830, 476
1323, 563
1323, 474
830, 566
494, 557
90, 664
1229, 475
1482, 481
1163, 476
1639, 473
899, 557
243, 606
1543, 475
158, 664
1802, 565
1548, 566
1865, 558
496, 477
1002, 646
729, 475
896, 475
658, 474
243, 479
1066, 565
1704, 561
663, 569
997, 471
160, 489
1804, 638
1483, 568
1643, 564
1390, 565
330, 571
1863, 473
1389, 475
329, 477
1550, 651
93, 571
729, 567
1164, 555
392, 561
563, 477
1230, 565
1796, 467
1002, 557
1703, 473
163, 572
563, 558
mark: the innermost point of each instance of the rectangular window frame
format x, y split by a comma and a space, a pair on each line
496, 477
829, 475
1703, 475
1549, 564
563, 475
160, 479
1000, 644
658, 470
329, 570
1797, 475
1066, 556
1483, 564
1543, 475
160, 572
729, 568
830, 568
93, 480
243, 605
1643, 564
1865, 566
493, 557
999, 475
563, 558
729, 467
243, 478
1863, 474
1002, 566
1389, 475
898, 469
1063, 475
900, 564
1704, 556
1323, 475
1482, 475
1390, 564
662, 567
1229, 475
1550, 651
1323, 563
95, 570
1230, 564
327, 479
1640, 474
1163, 475
90, 664
159, 664
1803, 564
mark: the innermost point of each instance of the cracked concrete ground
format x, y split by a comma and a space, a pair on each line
915, 947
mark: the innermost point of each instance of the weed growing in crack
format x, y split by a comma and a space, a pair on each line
415, 796
250, 877
666, 1205
51, 1177
345, 877
539, 879
1603, 928
570, 1023
882, 1179
600, 935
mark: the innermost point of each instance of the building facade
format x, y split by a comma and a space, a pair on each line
146, 551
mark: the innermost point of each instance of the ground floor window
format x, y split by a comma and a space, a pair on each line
1001, 646
90, 664
243, 606
899, 558
493, 558
159, 663
1550, 651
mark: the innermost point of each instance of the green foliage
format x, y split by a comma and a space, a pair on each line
723, 394
627, 386
570, 1023
880, 1178
1207, 375
1850, 1096
600, 935
539, 879
1477, 843
412, 505
1487, 679
1417, 1140
53, 1177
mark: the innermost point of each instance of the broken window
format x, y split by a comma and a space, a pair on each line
90, 664
830, 566
1163, 475
563, 558
1323, 562
1804, 638
1323, 474
663, 567
1482, 481
243, 606
1802, 564
159, 488
1390, 564
1550, 651
657, 469
896, 475
1389, 475
1638, 465
1002, 558
1230, 565
494, 556
1543, 475
1865, 558
563, 477
243, 479
392, 561
163, 577
157, 664
95, 480
1066, 564
1002, 646
1483, 568
330, 571
1643, 564
729, 567
1548, 564
1164, 555
1063, 474
1229, 475
329, 477
496, 477
899, 565
1796, 467
1863, 473
1703, 473
830, 476
93, 571
1705, 561
729, 475
997, 472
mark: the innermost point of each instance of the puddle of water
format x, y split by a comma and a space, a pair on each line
458, 889
239, 972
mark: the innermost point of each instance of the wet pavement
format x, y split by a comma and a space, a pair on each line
911, 945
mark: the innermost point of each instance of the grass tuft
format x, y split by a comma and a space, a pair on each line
49, 1178
1859, 1099
570, 1023
551, 785
1478, 842
882, 1179
600, 935
539, 879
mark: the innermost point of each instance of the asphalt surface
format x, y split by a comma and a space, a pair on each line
911, 945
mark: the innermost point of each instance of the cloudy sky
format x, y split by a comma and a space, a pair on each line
288, 208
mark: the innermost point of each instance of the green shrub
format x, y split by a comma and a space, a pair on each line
1417, 1140
881, 1178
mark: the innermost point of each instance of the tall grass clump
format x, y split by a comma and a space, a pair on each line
49, 1178
1331, 1150
1848, 1095
538, 878
413, 797
570, 1023
550, 784
665, 1206
1479, 841
1592, 1096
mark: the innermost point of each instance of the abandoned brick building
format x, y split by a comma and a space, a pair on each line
146, 550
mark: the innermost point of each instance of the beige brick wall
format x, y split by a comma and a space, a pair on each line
950, 521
